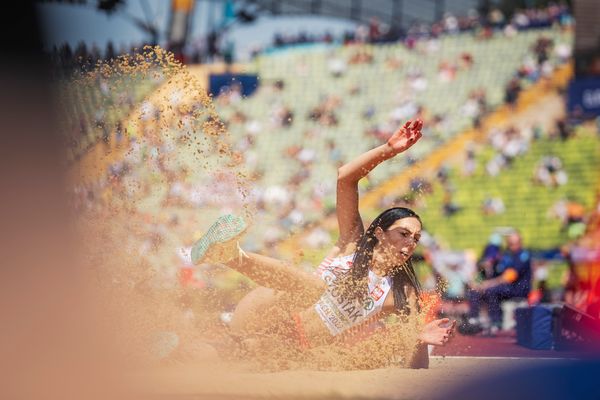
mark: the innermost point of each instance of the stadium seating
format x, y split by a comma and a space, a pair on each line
495, 63
527, 205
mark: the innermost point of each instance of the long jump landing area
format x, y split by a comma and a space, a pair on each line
457, 376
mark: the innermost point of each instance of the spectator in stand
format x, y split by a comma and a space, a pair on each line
493, 206
475, 106
512, 92
509, 144
375, 33
361, 56
449, 207
563, 130
446, 71
496, 18
393, 63
563, 51
512, 278
324, 112
550, 172
281, 116
575, 213
470, 163
450, 23
466, 60
336, 66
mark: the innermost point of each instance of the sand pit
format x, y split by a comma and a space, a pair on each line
232, 382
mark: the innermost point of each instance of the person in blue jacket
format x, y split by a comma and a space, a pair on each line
511, 278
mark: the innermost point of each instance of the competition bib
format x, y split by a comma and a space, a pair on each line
339, 314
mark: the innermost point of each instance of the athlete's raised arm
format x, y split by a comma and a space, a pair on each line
349, 220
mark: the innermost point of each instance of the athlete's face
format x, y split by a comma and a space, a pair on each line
400, 239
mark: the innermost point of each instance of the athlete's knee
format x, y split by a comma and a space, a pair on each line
247, 315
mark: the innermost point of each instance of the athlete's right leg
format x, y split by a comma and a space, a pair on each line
220, 244
263, 320
254, 312
275, 274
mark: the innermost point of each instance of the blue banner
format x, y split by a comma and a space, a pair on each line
584, 96
246, 83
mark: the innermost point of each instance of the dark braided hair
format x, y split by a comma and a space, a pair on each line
355, 283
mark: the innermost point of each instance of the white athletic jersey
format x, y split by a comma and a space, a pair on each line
339, 314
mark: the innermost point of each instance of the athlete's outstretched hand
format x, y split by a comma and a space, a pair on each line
437, 332
407, 135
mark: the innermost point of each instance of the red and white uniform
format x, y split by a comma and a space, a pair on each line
339, 314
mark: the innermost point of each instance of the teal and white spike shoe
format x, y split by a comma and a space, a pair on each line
220, 243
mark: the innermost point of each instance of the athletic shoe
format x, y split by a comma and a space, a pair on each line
219, 244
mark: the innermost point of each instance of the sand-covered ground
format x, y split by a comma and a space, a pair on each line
228, 381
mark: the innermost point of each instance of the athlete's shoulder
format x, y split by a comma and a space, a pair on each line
344, 261
335, 264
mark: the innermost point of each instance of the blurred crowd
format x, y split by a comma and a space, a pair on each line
482, 24
213, 47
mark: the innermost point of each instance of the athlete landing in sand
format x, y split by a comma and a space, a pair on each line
366, 276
